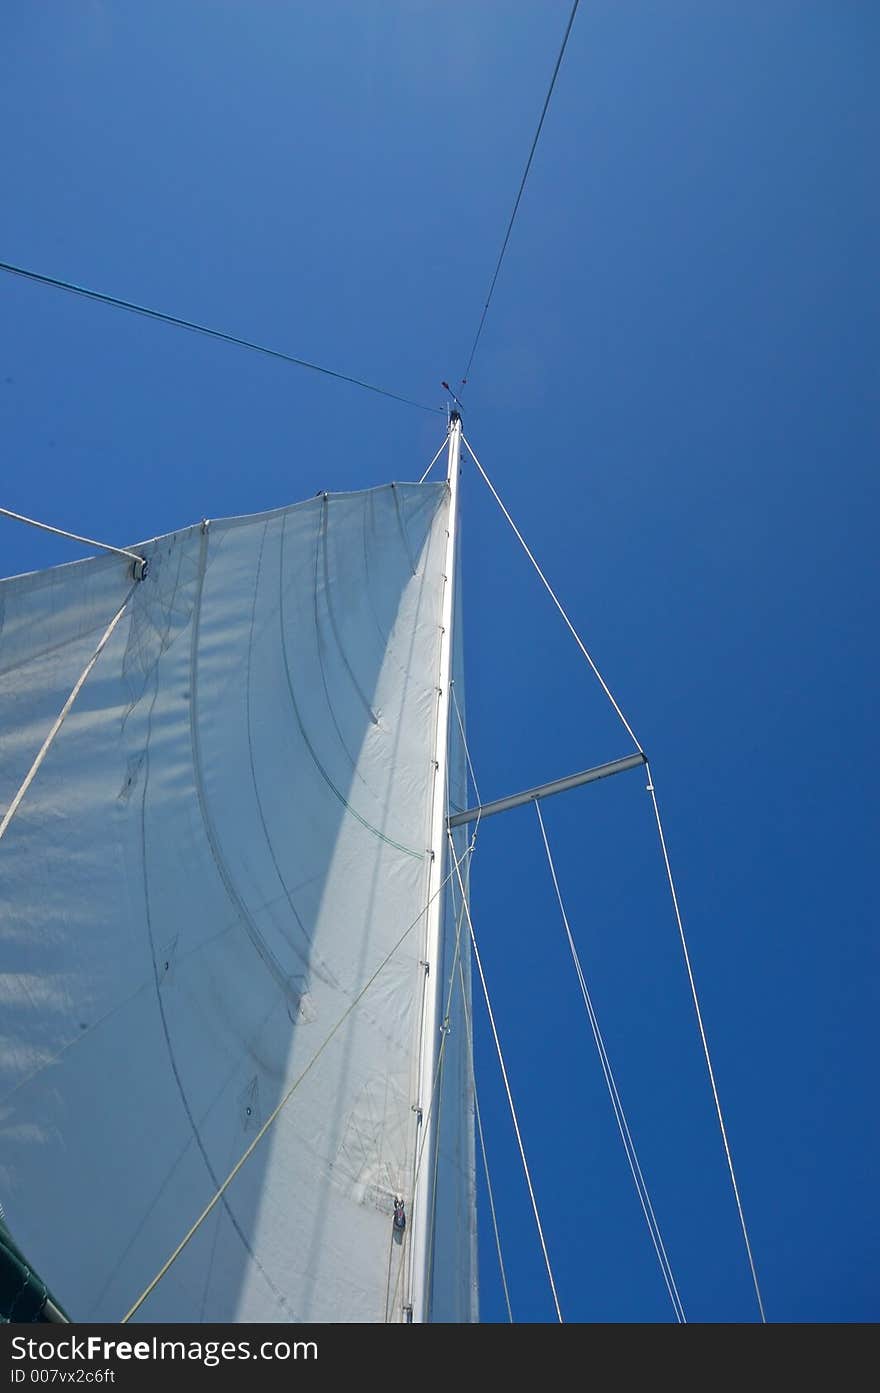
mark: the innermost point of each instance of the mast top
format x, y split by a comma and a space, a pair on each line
454, 411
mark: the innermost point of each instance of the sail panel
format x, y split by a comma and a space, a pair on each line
205, 902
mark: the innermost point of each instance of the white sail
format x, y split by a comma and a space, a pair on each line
224, 846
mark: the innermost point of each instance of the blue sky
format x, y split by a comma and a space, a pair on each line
677, 395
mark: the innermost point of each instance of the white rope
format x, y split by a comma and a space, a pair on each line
469, 764
276, 1111
71, 536
435, 459
553, 596
495, 1229
687, 959
510, 1102
59, 719
616, 1103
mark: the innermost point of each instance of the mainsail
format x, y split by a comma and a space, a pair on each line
214, 893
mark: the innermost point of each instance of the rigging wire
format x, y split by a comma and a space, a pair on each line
438, 1090
553, 596
693, 986
174, 319
71, 536
435, 1081
522, 185
510, 1102
435, 459
468, 758
651, 789
60, 718
469, 1023
479, 1121
616, 1103
248, 1152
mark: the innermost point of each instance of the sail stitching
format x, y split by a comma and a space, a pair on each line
287, 893
221, 1190
62, 716
159, 1000
408, 851
253, 931
322, 551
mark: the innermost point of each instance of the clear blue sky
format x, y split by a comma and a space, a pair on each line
677, 393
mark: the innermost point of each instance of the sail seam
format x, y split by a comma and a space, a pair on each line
408, 851
62, 716
185, 1103
270, 1120
288, 894
323, 529
253, 932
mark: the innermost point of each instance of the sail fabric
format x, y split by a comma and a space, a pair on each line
213, 892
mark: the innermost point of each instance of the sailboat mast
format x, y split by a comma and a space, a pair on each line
422, 1205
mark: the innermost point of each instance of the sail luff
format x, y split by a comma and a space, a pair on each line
418, 1302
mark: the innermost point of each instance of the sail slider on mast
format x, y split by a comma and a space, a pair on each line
532, 795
